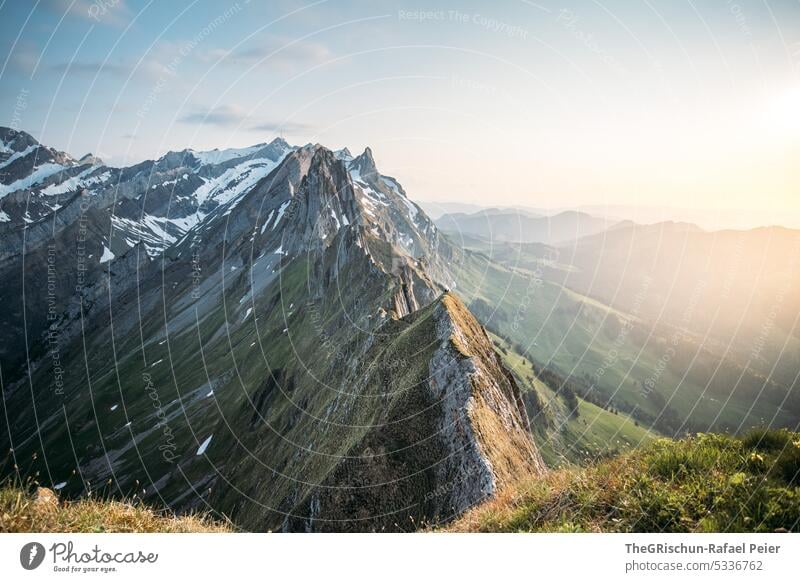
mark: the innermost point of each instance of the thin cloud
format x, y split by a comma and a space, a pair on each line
102, 12
150, 69
23, 60
92, 68
274, 127
224, 116
277, 53
235, 116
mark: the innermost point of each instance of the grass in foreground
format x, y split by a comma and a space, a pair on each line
24, 511
707, 483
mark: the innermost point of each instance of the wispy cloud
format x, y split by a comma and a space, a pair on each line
92, 68
23, 60
276, 53
105, 12
224, 115
234, 115
288, 127
150, 68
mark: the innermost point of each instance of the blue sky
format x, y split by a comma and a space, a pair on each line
693, 104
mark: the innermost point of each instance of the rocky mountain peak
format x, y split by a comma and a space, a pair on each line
364, 164
321, 373
275, 149
90, 159
14, 140
279, 142
344, 154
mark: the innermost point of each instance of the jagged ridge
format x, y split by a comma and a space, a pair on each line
303, 368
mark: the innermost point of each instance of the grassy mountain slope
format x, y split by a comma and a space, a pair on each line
667, 377
566, 436
448, 414
706, 483
263, 361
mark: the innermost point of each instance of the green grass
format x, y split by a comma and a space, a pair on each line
706, 483
596, 432
565, 438
612, 354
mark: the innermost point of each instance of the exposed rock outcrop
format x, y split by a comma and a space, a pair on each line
261, 331
453, 434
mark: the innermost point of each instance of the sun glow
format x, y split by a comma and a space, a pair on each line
783, 112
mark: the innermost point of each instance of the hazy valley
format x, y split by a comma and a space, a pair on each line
281, 336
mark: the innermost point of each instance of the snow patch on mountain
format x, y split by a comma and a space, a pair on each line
107, 255
16, 155
38, 175
76, 182
267, 221
150, 230
235, 181
217, 156
281, 210
412, 208
204, 446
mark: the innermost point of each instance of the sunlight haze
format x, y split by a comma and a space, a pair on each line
547, 105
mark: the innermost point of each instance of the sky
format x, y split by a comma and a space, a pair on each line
685, 104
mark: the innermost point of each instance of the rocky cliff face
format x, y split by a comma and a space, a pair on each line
261, 331
453, 433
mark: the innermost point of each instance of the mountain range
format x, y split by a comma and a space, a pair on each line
524, 226
280, 335
686, 330
267, 332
